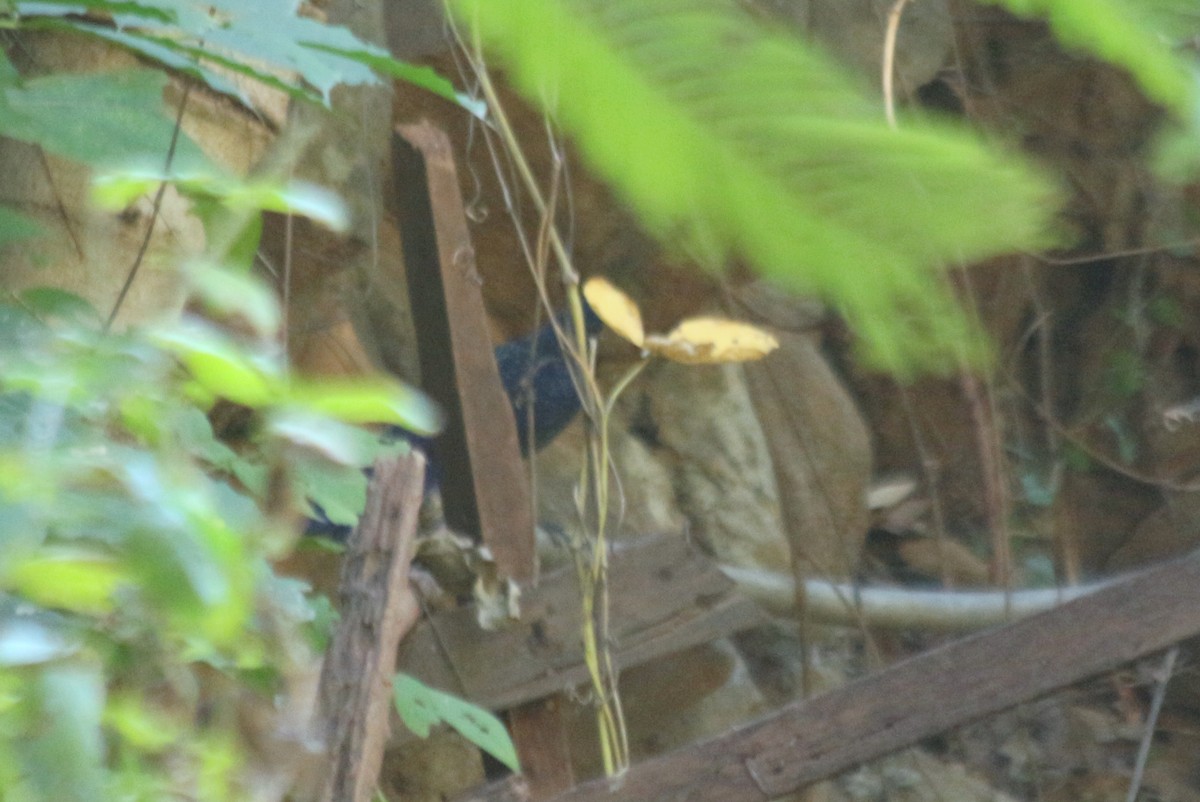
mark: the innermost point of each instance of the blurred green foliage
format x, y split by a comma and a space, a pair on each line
135, 545
134, 554
732, 139
268, 41
140, 617
148, 649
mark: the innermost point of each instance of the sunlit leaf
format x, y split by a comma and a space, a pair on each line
219, 365
67, 580
117, 189
141, 725
375, 400
713, 340
616, 309
295, 197
421, 707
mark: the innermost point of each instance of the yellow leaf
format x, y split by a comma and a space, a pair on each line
616, 309
711, 340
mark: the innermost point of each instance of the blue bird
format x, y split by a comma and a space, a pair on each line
536, 375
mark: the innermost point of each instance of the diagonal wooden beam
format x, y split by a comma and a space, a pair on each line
484, 486
485, 490
925, 695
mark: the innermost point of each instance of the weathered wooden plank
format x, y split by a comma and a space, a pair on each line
664, 596
378, 606
539, 730
484, 486
925, 695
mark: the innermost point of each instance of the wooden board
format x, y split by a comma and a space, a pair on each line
665, 597
377, 607
915, 699
485, 489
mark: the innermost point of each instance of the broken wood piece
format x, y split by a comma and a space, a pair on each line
925, 695
377, 607
664, 595
542, 740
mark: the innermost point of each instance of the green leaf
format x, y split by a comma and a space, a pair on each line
195, 435
420, 707
8, 73
101, 119
63, 757
737, 140
121, 8
336, 441
75, 580
1177, 159
368, 400
295, 197
1038, 490
1127, 445
15, 226
270, 31
52, 303
233, 236
266, 40
421, 76
230, 294
340, 491
291, 53
165, 52
220, 365
117, 189
191, 567
141, 725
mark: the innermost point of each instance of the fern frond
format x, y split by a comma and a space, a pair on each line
719, 131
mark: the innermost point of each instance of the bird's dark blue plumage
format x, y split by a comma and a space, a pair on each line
536, 376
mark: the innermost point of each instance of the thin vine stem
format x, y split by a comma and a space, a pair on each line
135, 268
